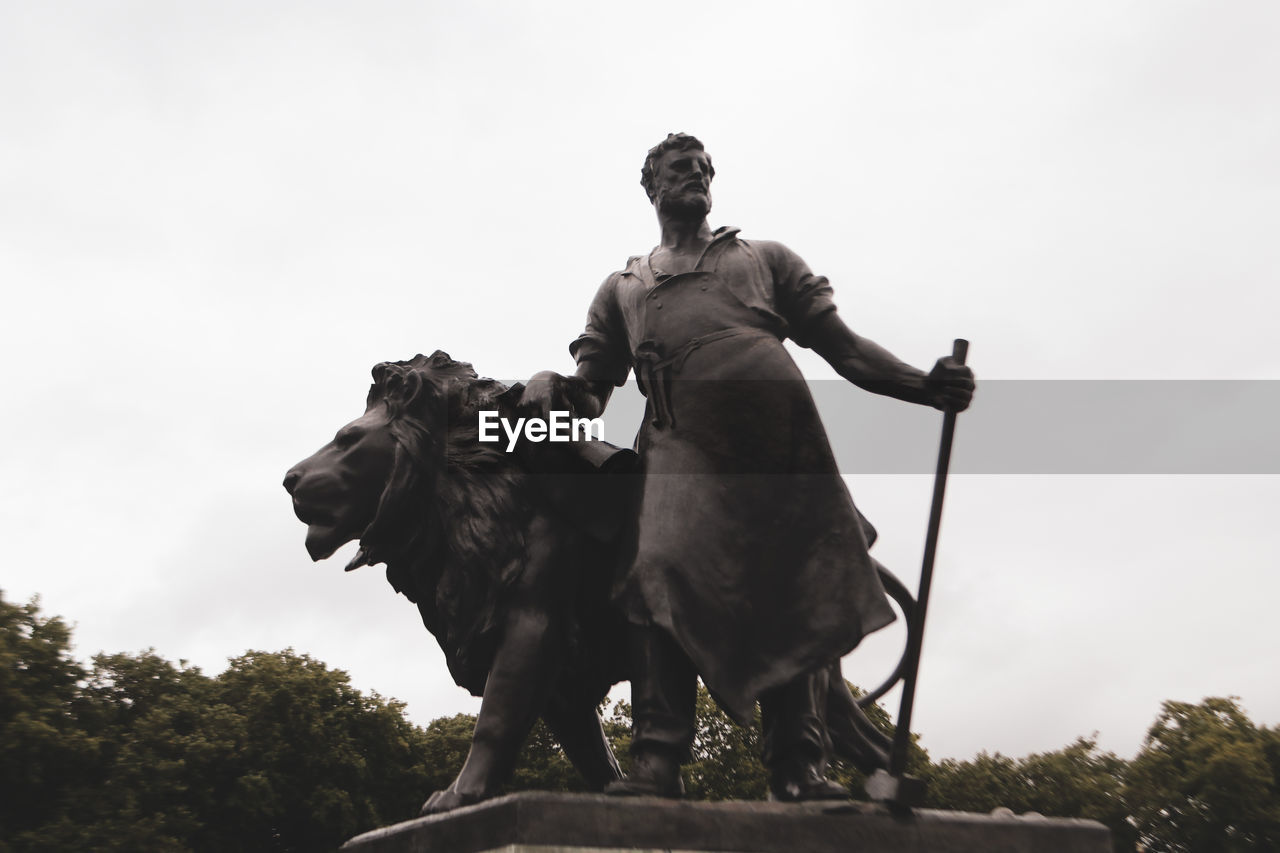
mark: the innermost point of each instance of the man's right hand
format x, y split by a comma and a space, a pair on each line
543, 393
549, 391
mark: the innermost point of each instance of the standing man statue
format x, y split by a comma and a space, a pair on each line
747, 562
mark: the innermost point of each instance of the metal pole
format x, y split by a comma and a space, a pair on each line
902, 735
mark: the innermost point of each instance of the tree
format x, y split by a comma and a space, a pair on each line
1076, 781
984, 783
542, 765
277, 753
726, 756
281, 753
162, 736
41, 740
315, 761
1206, 780
445, 745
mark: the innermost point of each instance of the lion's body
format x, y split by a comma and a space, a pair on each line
514, 593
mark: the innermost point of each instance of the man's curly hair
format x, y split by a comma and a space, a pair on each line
673, 142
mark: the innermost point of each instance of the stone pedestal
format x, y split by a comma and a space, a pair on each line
588, 823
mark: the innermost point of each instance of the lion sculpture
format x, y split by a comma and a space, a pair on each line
512, 588
512, 581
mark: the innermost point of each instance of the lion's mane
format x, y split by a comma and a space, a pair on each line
451, 522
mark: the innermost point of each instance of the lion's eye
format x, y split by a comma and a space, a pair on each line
347, 437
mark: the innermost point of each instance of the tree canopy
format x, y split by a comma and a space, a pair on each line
1207, 780
280, 753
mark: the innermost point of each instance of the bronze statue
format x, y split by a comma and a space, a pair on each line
509, 558
741, 558
514, 589
747, 561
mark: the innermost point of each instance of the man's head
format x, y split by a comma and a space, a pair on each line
677, 175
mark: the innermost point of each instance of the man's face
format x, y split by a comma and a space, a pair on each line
683, 183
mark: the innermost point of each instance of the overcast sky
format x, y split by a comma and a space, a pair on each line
215, 218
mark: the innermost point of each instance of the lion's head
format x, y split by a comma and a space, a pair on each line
445, 512
414, 425
449, 515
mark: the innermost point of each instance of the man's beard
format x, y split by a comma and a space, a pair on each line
685, 206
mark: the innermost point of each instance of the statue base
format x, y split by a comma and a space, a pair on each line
594, 823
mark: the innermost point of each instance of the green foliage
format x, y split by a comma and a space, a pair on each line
726, 756
281, 753
160, 750
277, 753
41, 740
445, 747
318, 760
1206, 780
1076, 781
542, 766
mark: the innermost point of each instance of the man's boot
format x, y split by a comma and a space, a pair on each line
797, 782
796, 745
653, 774
663, 693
